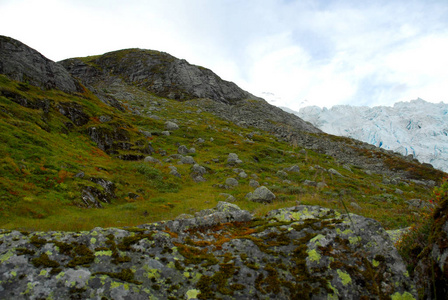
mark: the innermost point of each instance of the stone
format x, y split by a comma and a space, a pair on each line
334, 172
166, 133
150, 159
231, 182
233, 159
171, 126
399, 192
282, 174
309, 183
188, 160
200, 141
355, 205
228, 198
293, 169
242, 175
262, 194
183, 150
198, 169
174, 171
253, 183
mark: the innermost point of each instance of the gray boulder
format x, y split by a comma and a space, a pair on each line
151, 159
171, 126
183, 150
253, 183
231, 182
233, 159
293, 169
263, 195
188, 160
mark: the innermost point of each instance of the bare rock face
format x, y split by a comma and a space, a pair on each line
22, 63
303, 252
157, 72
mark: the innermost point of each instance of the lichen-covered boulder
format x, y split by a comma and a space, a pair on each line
304, 252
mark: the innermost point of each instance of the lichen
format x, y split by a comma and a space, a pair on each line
404, 296
192, 294
345, 277
313, 255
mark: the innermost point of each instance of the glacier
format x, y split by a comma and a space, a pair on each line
418, 128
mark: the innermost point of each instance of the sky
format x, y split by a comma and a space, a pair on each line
290, 52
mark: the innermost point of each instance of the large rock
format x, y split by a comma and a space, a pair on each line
22, 63
305, 252
262, 194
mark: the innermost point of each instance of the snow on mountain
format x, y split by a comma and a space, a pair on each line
417, 127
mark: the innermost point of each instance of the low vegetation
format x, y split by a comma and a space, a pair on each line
49, 158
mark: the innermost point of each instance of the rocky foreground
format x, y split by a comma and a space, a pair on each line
302, 252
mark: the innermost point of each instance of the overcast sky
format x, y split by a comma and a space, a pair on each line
322, 52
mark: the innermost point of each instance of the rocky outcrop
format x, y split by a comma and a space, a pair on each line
22, 63
431, 261
303, 252
159, 73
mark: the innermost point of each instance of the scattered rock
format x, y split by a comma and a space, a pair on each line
188, 160
231, 182
174, 171
282, 174
334, 172
233, 159
262, 194
309, 183
171, 126
166, 133
293, 169
150, 159
242, 175
399, 192
183, 150
253, 183
420, 204
355, 205
228, 197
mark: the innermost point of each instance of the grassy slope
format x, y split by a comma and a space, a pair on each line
39, 158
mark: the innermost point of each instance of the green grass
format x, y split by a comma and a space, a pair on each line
40, 156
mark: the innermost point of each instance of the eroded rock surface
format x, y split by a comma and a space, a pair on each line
22, 63
303, 252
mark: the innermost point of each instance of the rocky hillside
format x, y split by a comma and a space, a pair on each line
92, 156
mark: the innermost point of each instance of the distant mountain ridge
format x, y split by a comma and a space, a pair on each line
418, 128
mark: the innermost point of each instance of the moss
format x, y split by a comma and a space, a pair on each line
44, 261
25, 251
38, 242
82, 255
124, 275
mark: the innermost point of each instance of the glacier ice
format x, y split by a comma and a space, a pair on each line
417, 127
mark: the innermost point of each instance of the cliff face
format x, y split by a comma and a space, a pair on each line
22, 63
